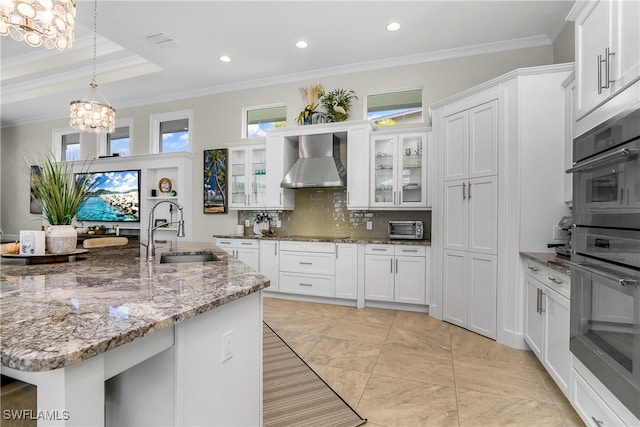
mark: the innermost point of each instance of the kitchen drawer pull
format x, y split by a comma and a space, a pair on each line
305, 263
556, 281
379, 249
224, 243
598, 422
246, 243
408, 250
304, 284
534, 269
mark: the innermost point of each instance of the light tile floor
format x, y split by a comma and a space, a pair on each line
399, 368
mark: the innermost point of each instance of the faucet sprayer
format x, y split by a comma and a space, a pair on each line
151, 247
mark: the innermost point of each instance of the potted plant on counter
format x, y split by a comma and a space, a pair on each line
60, 195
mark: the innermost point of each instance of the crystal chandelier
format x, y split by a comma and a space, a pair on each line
89, 115
39, 22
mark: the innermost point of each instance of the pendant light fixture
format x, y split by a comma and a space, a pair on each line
39, 22
89, 115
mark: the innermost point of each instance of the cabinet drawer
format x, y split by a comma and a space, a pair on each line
324, 247
306, 284
379, 249
410, 250
535, 270
237, 243
559, 283
589, 405
307, 262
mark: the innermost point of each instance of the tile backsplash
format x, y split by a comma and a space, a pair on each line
323, 212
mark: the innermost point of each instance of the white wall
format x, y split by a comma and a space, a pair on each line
217, 122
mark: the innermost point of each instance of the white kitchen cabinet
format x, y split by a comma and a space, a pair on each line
546, 320
281, 155
269, 262
396, 273
471, 142
308, 268
569, 86
358, 148
245, 250
469, 291
346, 270
399, 170
607, 44
247, 177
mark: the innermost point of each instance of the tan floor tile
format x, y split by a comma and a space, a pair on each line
472, 374
372, 315
394, 402
306, 324
469, 344
300, 343
359, 330
416, 339
415, 366
345, 354
348, 384
483, 409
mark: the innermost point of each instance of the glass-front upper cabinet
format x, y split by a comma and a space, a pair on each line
247, 177
399, 170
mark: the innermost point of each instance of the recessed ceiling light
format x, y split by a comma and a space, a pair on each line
393, 26
224, 58
301, 44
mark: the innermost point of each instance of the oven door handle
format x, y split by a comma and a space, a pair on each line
603, 160
622, 281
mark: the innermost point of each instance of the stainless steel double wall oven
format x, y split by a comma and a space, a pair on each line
605, 260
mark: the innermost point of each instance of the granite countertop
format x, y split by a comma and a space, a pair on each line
550, 260
54, 315
378, 241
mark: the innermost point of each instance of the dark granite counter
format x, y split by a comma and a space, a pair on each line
550, 260
54, 315
378, 241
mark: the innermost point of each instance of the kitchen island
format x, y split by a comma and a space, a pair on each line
110, 338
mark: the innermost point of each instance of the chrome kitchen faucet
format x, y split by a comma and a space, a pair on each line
151, 247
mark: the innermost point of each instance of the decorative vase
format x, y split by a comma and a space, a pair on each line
259, 226
61, 239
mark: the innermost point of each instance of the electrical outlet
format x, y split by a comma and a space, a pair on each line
247, 223
369, 225
278, 224
227, 348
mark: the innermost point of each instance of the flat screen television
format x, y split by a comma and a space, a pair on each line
115, 197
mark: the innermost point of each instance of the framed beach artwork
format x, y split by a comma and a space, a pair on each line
34, 206
215, 181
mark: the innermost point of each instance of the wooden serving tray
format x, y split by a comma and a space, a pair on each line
44, 259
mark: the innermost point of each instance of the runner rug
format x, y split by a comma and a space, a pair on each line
294, 395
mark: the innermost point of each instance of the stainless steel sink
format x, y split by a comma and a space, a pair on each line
188, 257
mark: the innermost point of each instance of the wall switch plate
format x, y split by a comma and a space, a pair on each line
247, 223
278, 224
369, 225
227, 346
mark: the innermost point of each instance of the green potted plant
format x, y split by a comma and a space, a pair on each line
60, 195
337, 103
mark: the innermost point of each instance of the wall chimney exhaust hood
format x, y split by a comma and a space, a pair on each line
318, 164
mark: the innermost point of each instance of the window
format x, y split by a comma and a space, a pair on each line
170, 132
66, 144
392, 108
119, 142
259, 119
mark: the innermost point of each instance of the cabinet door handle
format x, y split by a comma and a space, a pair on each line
464, 190
469, 192
396, 265
280, 203
598, 422
394, 197
538, 300
600, 74
391, 265
607, 71
542, 294
275, 249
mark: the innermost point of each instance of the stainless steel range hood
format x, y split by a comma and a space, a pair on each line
318, 164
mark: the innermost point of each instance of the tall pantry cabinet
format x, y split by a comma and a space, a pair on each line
499, 151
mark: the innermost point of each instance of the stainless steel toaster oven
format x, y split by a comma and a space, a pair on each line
405, 230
